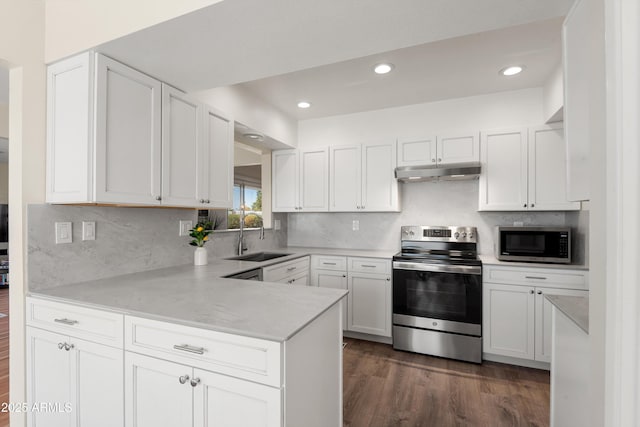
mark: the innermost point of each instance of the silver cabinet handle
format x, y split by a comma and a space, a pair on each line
195, 382
535, 277
66, 321
189, 349
433, 160
388, 279
61, 345
531, 291
69, 346
201, 200
291, 268
439, 160
158, 198
344, 275
207, 201
183, 379
524, 206
539, 292
328, 263
368, 265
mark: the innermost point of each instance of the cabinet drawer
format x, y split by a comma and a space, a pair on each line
327, 262
93, 325
276, 273
557, 278
242, 357
370, 265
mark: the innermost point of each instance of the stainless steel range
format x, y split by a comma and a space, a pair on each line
437, 293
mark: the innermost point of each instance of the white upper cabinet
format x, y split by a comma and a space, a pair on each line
127, 134
216, 180
524, 170
584, 91
345, 178
417, 151
439, 150
115, 135
362, 178
300, 180
547, 170
181, 147
503, 181
379, 185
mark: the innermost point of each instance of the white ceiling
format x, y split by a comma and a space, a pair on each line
457, 67
237, 41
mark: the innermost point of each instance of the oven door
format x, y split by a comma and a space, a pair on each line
437, 296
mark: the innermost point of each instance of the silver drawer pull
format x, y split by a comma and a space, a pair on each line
328, 263
291, 268
195, 382
66, 321
535, 277
190, 349
61, 345
368, 265
183, 379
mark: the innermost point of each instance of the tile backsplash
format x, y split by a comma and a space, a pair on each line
128, 240
425, 203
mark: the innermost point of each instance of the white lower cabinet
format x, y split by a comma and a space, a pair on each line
81, 378
159, 392
294, 272
516, 315
369, 299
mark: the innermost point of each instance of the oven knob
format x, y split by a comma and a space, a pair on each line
470, 235
411, 233
464, 234
456, 235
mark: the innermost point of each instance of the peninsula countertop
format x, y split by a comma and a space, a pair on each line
575, 308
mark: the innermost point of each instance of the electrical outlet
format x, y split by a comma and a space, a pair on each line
185, 227
88, 230
356, 225
64, 232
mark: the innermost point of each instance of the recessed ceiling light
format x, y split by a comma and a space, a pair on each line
512, 71
383, 68
253, 136
304, 104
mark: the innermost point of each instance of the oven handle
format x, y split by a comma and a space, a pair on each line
459, 269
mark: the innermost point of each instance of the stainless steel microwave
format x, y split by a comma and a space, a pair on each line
533, 244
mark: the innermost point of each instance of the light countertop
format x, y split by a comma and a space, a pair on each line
575, 308
200, 296
491, 260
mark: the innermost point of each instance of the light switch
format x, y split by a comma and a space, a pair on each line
88, 230
356, 225
63, 232
185, 227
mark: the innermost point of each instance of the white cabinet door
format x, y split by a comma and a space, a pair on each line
128, 128
503, 181
99, 384
69, 130
48, 377
154, 394
379, 185
369, 304
547, 170
543, 319
181, 148
285, 180
314, 180
508, 320
416, 151
216, 184
222, 401
332, 279
345, 178
456, 148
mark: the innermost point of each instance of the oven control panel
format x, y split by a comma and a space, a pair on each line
439, 233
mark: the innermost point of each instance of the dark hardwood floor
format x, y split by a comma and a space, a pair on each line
385, 388
4, 354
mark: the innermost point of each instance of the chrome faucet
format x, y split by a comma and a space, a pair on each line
261, 236
241, 244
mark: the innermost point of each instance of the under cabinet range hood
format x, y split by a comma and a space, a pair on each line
451, 172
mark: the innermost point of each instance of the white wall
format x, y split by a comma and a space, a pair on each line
74, 26
504, 109
553, 96
252, 111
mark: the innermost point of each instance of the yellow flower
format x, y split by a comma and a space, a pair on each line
205, 238
199, 229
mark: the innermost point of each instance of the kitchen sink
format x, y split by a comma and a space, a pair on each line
258, 256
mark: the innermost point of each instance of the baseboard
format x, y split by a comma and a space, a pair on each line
516, 361
367, 337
